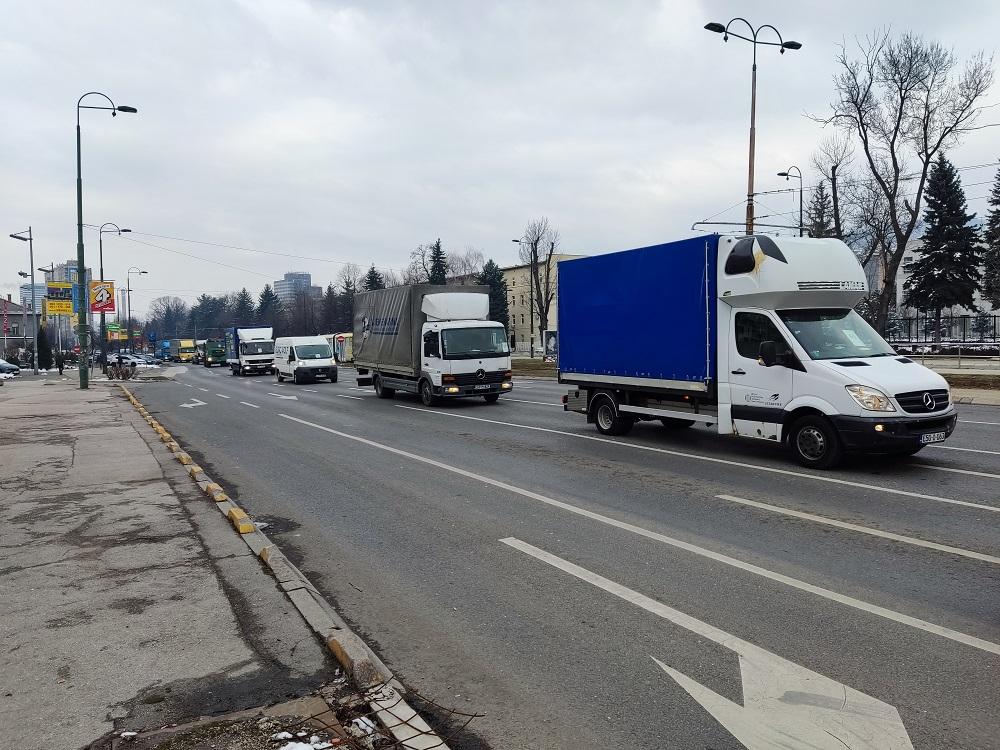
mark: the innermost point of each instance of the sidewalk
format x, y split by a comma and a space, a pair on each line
128, 601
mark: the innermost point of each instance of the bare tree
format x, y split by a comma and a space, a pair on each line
465, 266
419, 270
537, 251
832, 160
392, 277
904, 100
349, 277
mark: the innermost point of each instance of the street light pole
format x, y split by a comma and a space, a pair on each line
718, 28
128, 297
34, 308
81, 265
786, 174
100, 242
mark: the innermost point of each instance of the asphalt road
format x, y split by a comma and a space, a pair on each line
507, 560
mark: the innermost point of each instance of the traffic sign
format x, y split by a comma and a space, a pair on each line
112, 326
102, 296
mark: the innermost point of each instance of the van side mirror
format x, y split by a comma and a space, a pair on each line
767, 355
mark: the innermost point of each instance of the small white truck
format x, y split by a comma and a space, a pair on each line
250, 351
430, 340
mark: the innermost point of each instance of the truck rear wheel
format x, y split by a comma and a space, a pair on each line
608, 419
427, 393
815, 442
381, 391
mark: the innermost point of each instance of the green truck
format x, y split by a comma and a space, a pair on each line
214, 353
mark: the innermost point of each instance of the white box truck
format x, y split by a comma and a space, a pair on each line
432, 340
754, 336
250, 351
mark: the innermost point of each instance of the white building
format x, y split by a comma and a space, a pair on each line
292, 284
904, 272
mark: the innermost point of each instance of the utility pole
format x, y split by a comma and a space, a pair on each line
34, 307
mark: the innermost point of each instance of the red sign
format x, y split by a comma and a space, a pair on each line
76, 349
6, 327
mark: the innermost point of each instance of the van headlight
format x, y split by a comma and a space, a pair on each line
871, 399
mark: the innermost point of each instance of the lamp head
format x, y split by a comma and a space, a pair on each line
718, 28
22, 274
19, 237
125, 108
790, 45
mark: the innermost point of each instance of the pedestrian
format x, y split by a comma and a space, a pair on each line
60, 361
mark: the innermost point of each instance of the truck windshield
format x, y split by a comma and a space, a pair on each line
472, 343
257, 347
834, 334
313, 351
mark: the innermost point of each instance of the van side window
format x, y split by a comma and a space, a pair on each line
753, 328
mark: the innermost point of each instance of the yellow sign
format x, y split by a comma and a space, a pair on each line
102, 296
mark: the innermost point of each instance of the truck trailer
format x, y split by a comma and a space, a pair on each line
753, 336
431, 340
250, 351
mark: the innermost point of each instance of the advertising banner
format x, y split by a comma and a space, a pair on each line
102, 296
60, 298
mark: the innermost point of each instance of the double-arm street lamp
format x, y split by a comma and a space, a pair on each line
83, 330
26, 236
786, 174
782, 45
128, 297
100, 243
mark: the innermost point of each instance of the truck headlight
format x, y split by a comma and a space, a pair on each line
871, 399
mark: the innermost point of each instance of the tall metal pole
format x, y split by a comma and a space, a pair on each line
81, 271
104, 335
753, 139
128, 314
34, 308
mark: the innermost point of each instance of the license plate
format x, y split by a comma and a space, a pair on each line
932, 437
487, 387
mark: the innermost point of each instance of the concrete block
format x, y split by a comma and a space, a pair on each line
352, 654
317, 617
256, 541
211, 487
192, 469
240, 520
282, 569
220, 497
184, 458
268, 552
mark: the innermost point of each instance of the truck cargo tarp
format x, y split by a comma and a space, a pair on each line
641, 313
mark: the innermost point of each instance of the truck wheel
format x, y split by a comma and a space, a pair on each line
427, 393
815, 443
492, 398
381, 391
676, 424
235, 369
608, 419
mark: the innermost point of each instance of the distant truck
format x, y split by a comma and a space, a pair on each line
214, 352
199, 352
425, 340
250, 351
754, 336
163, 350
181, 350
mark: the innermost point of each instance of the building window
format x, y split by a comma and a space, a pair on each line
522, 318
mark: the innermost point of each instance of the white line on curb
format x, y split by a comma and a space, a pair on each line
713, 459
954, 635
862, 529
247, 403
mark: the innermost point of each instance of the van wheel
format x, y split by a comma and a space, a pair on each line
333, 378
427, 393
381, 391
492, 398
676, 424
279, 376
295, 377
608, 419
815, 443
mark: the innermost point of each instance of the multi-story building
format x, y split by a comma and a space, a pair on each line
524, 319
906, 270
26, 296
293, 283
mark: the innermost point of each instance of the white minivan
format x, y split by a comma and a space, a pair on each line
304, 358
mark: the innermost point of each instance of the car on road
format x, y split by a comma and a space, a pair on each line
6, 368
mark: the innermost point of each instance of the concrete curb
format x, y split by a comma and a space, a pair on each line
369, 674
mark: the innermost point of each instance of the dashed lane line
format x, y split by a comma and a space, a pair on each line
715, 460
247, 403
344, 395
967, 450
222, 395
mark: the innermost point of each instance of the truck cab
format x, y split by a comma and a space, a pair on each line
465, 358
250, 351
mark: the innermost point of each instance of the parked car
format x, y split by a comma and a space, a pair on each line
7, 368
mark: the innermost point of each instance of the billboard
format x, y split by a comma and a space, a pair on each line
60, 298
102, 296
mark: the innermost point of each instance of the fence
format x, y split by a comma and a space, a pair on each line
971, 330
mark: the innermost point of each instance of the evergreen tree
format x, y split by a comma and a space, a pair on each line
346, 299
243, 310
991, 253
819, 213
44, 349
947, 271
373, 280
330, 310
982, 324
492, 277
269, 307
439, 264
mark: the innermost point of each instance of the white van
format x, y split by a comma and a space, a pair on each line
304, 358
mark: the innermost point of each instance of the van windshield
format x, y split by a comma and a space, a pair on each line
472, 343
257, 347
313, 351
834, 334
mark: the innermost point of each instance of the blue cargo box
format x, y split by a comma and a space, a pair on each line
643, 317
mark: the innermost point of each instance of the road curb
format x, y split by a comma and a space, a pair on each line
384, 693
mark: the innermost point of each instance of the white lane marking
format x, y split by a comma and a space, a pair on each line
686, 546
309, 390
187, 385
203, 389
194, 402
986, 474
713, 459
221, 395
282, 396
522, 401
967, 450
969, 421
834, 717
247, 403
862, 529
355, 388
344, 395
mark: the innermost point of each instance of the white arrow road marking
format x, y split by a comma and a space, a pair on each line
309, 390
795, 583
221, 395
194, 402
785, 706
247, 403
287, 398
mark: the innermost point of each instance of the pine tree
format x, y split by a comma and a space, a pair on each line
819, 213
330, 311
347, 292
243, 311
439, 264
373, 280
269, 307
991, 253
946, 273
44, 350
492, 277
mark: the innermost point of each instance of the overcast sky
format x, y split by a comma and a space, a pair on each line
348, 131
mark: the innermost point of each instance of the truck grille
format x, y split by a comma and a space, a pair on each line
915, 402
470, 378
